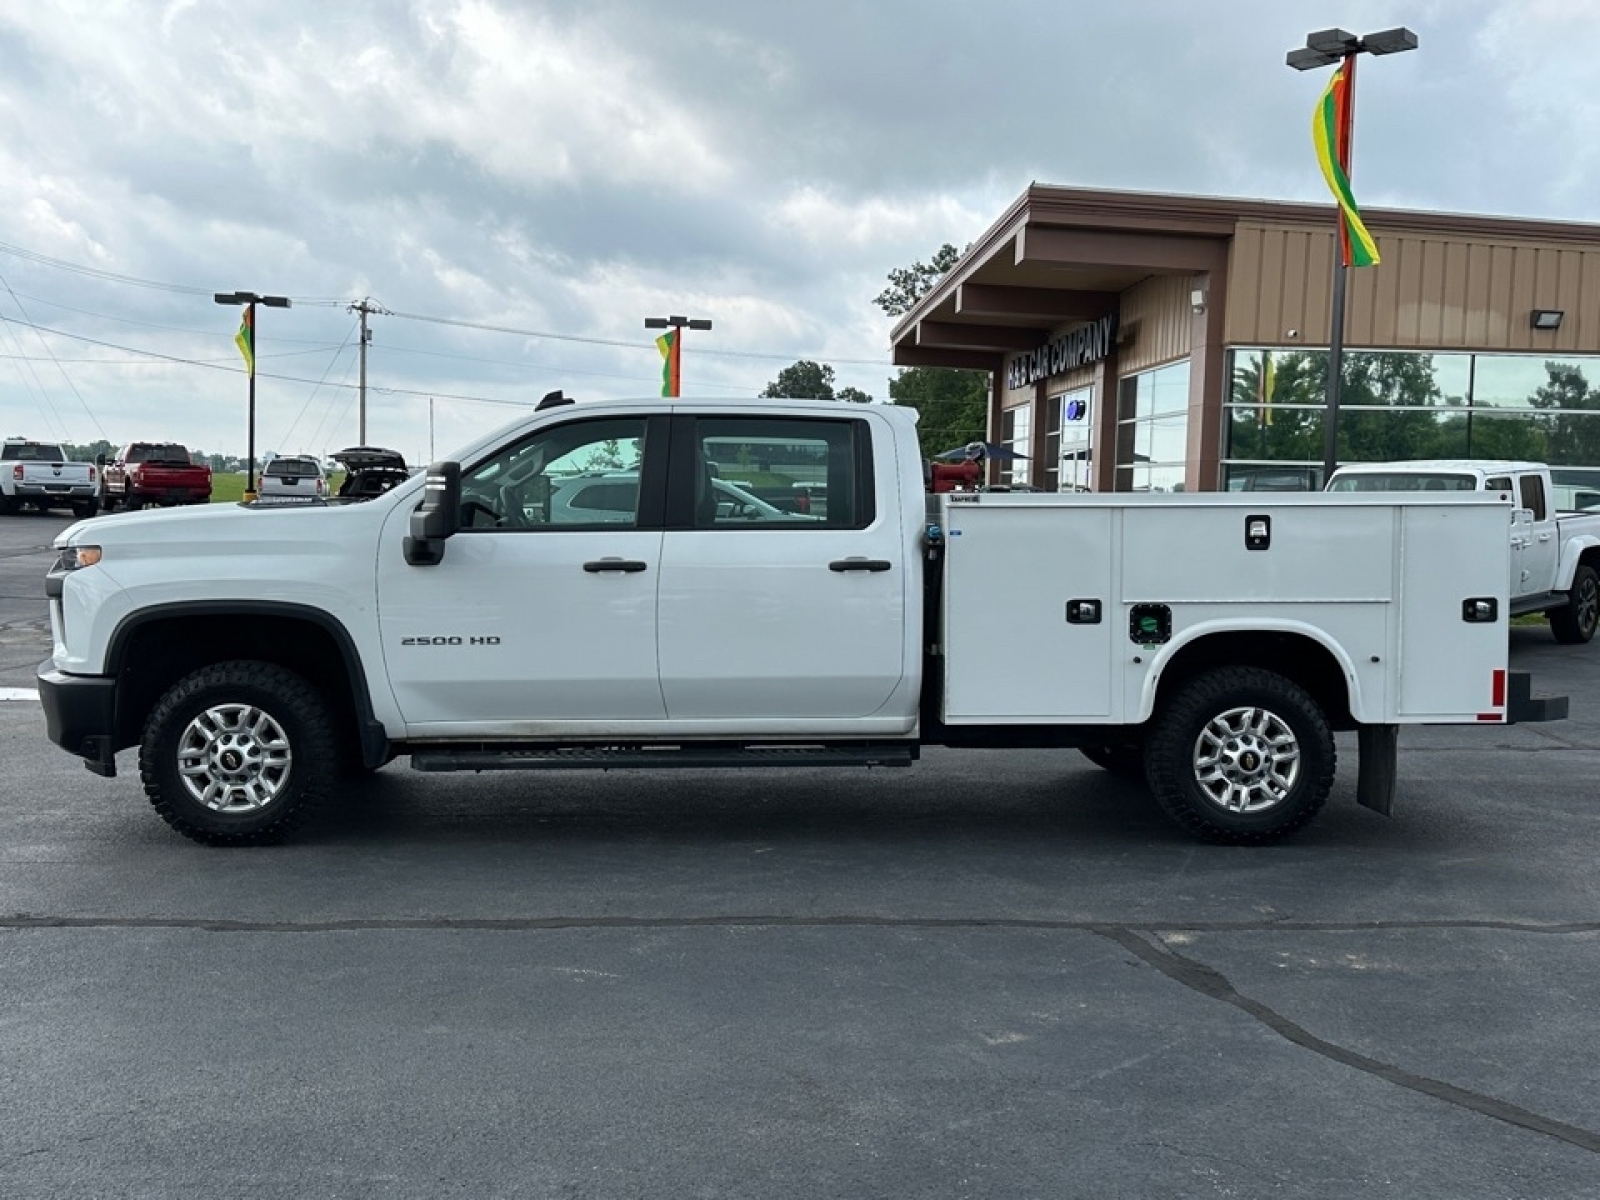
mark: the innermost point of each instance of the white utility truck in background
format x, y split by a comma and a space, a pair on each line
476, 618
1555, 555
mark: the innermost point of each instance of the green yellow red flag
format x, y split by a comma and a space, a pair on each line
1330, 125
245, 339
667, 343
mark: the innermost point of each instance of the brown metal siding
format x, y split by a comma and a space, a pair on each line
1157, 322
1430, 292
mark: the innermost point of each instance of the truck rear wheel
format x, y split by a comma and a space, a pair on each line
238, 753
1240, 755
1574, 623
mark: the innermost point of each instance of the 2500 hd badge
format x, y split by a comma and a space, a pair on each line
487, 640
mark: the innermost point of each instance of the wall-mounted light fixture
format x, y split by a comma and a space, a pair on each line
1547, 318
1197, 300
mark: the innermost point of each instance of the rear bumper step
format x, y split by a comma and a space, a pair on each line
556, 758
1523, 706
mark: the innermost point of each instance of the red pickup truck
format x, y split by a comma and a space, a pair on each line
153, 473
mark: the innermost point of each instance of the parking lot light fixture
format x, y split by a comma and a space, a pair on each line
246, 340
1324, 48
671, 346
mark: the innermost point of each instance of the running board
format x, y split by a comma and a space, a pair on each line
617, 758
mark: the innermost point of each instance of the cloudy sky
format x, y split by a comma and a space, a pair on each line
521, 183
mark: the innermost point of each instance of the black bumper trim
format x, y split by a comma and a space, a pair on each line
80, 713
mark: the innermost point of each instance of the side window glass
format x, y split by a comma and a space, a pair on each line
797, 473
1500, 483
574, 475
1533, 495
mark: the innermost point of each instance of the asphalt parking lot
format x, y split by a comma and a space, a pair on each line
997, 974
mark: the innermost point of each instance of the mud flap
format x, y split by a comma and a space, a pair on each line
1379, 747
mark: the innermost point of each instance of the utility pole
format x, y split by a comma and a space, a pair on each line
366, 307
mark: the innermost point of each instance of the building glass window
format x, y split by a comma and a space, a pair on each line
1016, 428
1153, 429
1401, 405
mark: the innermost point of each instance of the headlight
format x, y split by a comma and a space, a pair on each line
74, 557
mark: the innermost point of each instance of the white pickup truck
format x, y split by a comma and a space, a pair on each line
578, 591
40, 474
1555, 556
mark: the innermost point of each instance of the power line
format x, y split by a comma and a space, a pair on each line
634, 345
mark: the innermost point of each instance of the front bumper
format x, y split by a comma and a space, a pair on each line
80, 714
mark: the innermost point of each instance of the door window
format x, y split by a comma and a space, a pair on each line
580, 474
1532, 490
737, 472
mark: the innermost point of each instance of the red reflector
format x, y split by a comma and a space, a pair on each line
1498, 691
1500, 717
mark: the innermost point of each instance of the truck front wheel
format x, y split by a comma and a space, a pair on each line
238, 753
1575, 622
1240, 755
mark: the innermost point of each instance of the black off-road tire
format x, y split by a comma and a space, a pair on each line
1126, 761
260, 743
85, 509
1240, 755
1574, 623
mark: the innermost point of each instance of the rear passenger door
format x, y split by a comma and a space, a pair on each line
768, 613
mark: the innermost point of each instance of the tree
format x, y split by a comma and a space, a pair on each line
805, 380
953, 405
907, 285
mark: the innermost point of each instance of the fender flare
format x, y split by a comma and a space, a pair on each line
1196, 633
374, 737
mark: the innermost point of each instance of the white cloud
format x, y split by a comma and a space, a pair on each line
571, 167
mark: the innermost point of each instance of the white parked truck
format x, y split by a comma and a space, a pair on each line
1555, 555
40, 474
1212, 644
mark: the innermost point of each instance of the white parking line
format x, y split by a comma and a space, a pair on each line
18, 694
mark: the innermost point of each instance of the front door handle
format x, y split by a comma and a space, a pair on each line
626, 565
860, 564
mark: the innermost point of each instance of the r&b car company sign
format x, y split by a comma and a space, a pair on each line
1086, 344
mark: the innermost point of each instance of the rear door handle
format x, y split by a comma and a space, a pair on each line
860, 564
626, 565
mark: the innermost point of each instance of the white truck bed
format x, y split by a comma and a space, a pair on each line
1380, 581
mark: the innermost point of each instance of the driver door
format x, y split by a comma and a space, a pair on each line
541, 610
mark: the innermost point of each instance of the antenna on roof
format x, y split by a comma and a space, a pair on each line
552, 399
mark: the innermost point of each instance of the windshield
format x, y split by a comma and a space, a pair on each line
1403, 481
32, 452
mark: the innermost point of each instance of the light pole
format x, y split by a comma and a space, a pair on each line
246, 338
1323, 49
671, 346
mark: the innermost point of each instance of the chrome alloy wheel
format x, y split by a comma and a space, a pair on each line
1246, 760
234, 758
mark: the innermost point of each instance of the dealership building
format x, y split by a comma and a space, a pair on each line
1145, 342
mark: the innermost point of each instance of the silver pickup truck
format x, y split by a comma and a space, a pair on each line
1555, 553
41, 475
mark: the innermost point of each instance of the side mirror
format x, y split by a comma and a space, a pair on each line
99, 460
437, 517
1522, 516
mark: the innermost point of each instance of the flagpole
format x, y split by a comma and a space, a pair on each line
1341, 269
250, 469
1352, 242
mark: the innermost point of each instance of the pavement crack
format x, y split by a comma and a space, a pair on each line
1214, 985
